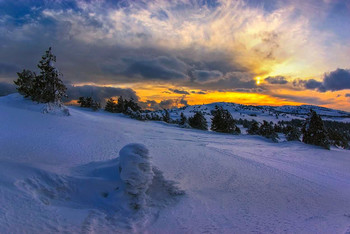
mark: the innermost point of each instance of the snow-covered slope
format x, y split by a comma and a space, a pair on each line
260, 113
61, 174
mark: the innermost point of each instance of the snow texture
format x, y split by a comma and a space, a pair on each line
136, 171
61, 174
56, 108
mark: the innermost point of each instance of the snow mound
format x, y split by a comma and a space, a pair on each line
140, 178
56, 108
129, 198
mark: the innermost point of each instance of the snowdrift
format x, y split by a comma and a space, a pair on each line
128, 192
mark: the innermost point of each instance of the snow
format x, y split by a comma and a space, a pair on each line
61, 174
261, 113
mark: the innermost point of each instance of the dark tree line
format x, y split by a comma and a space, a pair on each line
88, 102
122, 106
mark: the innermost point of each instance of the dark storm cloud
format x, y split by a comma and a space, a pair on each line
337, 80
99, 93
333, 81
312, 84
7, 88
199, 92
161, 68
206, 76
230, 81
8, 69
314, 100
166, 104
347, 95
179, 91
276, 80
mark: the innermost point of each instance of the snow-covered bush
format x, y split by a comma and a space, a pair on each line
56, 108
136, 171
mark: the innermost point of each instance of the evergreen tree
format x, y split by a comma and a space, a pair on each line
223, 121
133, 105
46, 87
337, 138
293, 134
25, 82
95, 106
82, 101
166, 116
183, 119
267, 130
111, 106
88, 102
314, 132
254, 128
198, 121
120, 105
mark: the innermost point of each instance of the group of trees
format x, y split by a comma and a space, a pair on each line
222, 121
129, 107
89, 103
45, 87
266, 129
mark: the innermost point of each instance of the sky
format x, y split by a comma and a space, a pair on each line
174, 53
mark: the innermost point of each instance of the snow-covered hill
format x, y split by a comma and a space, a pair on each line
62, 174
260, 113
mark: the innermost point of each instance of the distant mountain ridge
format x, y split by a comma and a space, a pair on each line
260, 113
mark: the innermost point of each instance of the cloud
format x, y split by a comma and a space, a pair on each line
203, 76
313, 84
333, 81
276, 80
99, 93
164, 104
179, 91
230, 81
337, 80
198, 44
167, 104
7, 88
183, 101
199, 92
347, 95
162, 68
302, 99
6, 68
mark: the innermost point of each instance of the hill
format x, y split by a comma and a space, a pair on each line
61, 174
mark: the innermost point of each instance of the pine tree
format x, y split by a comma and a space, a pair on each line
223, 121
314, 132
267, 130
88, 102
46, 87
25, 82
183, 119
133, 105
198, 121
82, 101
293, 134
166, 116
95, 106
254, 128
120, 105
111, 106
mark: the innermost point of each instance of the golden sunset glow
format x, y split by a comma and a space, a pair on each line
194, 52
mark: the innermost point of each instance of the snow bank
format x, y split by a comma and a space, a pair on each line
140, 178
56, 108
